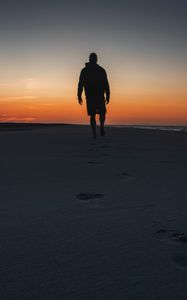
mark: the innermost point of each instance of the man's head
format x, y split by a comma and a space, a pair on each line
93, 58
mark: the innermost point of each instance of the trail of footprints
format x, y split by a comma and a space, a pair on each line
96, 199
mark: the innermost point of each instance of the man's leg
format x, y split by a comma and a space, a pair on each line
93, 125
102, 122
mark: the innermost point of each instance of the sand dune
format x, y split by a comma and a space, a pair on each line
84, 219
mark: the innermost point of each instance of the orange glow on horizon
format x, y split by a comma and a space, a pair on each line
142, 92
123, 110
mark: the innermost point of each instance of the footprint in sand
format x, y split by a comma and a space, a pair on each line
162, 233
105, 154
90, 199
124, 176
171, 235
180, 257
179, 237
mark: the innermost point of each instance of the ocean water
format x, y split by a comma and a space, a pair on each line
156, 127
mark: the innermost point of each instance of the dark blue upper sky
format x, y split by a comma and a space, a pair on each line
152, 24
159, 16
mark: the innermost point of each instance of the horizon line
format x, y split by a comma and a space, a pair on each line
85, 124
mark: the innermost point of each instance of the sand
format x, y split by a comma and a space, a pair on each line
85, 219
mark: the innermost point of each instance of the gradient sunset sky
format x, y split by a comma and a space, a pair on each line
141, 44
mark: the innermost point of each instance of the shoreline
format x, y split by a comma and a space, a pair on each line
14, 126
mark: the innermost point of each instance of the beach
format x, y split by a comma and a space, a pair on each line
93, 219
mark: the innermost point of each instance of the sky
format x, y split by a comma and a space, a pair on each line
141, 44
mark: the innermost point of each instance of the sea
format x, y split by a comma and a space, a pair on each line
176, 128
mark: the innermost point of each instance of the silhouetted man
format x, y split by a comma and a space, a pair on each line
93, 79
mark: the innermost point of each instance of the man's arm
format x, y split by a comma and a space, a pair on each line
80, 88
107, 88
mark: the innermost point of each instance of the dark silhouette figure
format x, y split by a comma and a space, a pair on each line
93, 79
